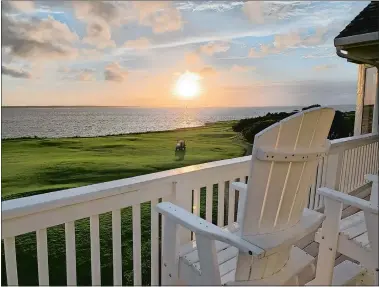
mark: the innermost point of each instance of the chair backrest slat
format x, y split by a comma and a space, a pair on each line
277, 189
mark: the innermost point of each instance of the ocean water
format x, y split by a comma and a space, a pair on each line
100, 121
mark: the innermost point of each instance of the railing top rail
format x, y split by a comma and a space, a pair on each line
342, 144
42, 202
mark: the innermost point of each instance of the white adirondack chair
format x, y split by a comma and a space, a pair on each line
271, 215
355, 236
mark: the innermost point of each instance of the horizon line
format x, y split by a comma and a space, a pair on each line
104, 106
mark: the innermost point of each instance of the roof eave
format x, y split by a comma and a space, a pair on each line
360, 39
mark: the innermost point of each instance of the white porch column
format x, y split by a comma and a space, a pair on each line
375, 127
360, 97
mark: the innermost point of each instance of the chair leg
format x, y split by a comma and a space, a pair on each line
329, 243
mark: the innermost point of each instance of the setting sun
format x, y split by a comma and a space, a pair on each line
188, 85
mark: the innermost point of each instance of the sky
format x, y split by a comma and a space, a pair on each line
124, 53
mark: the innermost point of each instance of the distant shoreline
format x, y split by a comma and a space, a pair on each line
169, 107
121, 134
91, 122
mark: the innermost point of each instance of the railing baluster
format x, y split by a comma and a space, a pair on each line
220, 203
360, 166
363, 169
343, 171
42, 258
95, 250
231, 203
366, 162
10, 260
70, 253
116, 245
209, 202
352, 169
355, 161
137, 245
154, 235
348, 171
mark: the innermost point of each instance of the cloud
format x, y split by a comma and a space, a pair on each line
293, 39
161, 16
86, 75
207, 71
38, 39
138, 44
15, 73
22, 6
242, 69
100, 16
263, 51
219, 6
324, 67
114, 72
260, 12
99, 34
109, 11
82, 75
214, 47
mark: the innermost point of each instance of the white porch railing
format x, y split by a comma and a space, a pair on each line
202, 189
344, 169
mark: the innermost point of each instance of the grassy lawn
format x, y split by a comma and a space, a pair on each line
33, 166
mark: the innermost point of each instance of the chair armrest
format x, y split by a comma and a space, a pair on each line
206, 229
240, 186
348, 199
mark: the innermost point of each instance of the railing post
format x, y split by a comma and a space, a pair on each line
359, 102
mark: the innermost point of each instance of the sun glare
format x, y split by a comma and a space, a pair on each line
188, 85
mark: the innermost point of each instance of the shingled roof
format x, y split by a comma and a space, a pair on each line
366, 22
359, 41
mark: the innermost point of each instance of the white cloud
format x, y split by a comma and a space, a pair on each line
161, 16
115, 73
214, 47
293, 39
81, 75
23, 6
219, 6
99, 34
38, 39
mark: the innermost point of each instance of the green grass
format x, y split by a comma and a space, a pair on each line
34, 166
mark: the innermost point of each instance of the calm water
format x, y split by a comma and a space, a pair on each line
99, 121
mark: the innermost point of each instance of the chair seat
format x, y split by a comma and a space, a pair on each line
227, 260
271, 243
